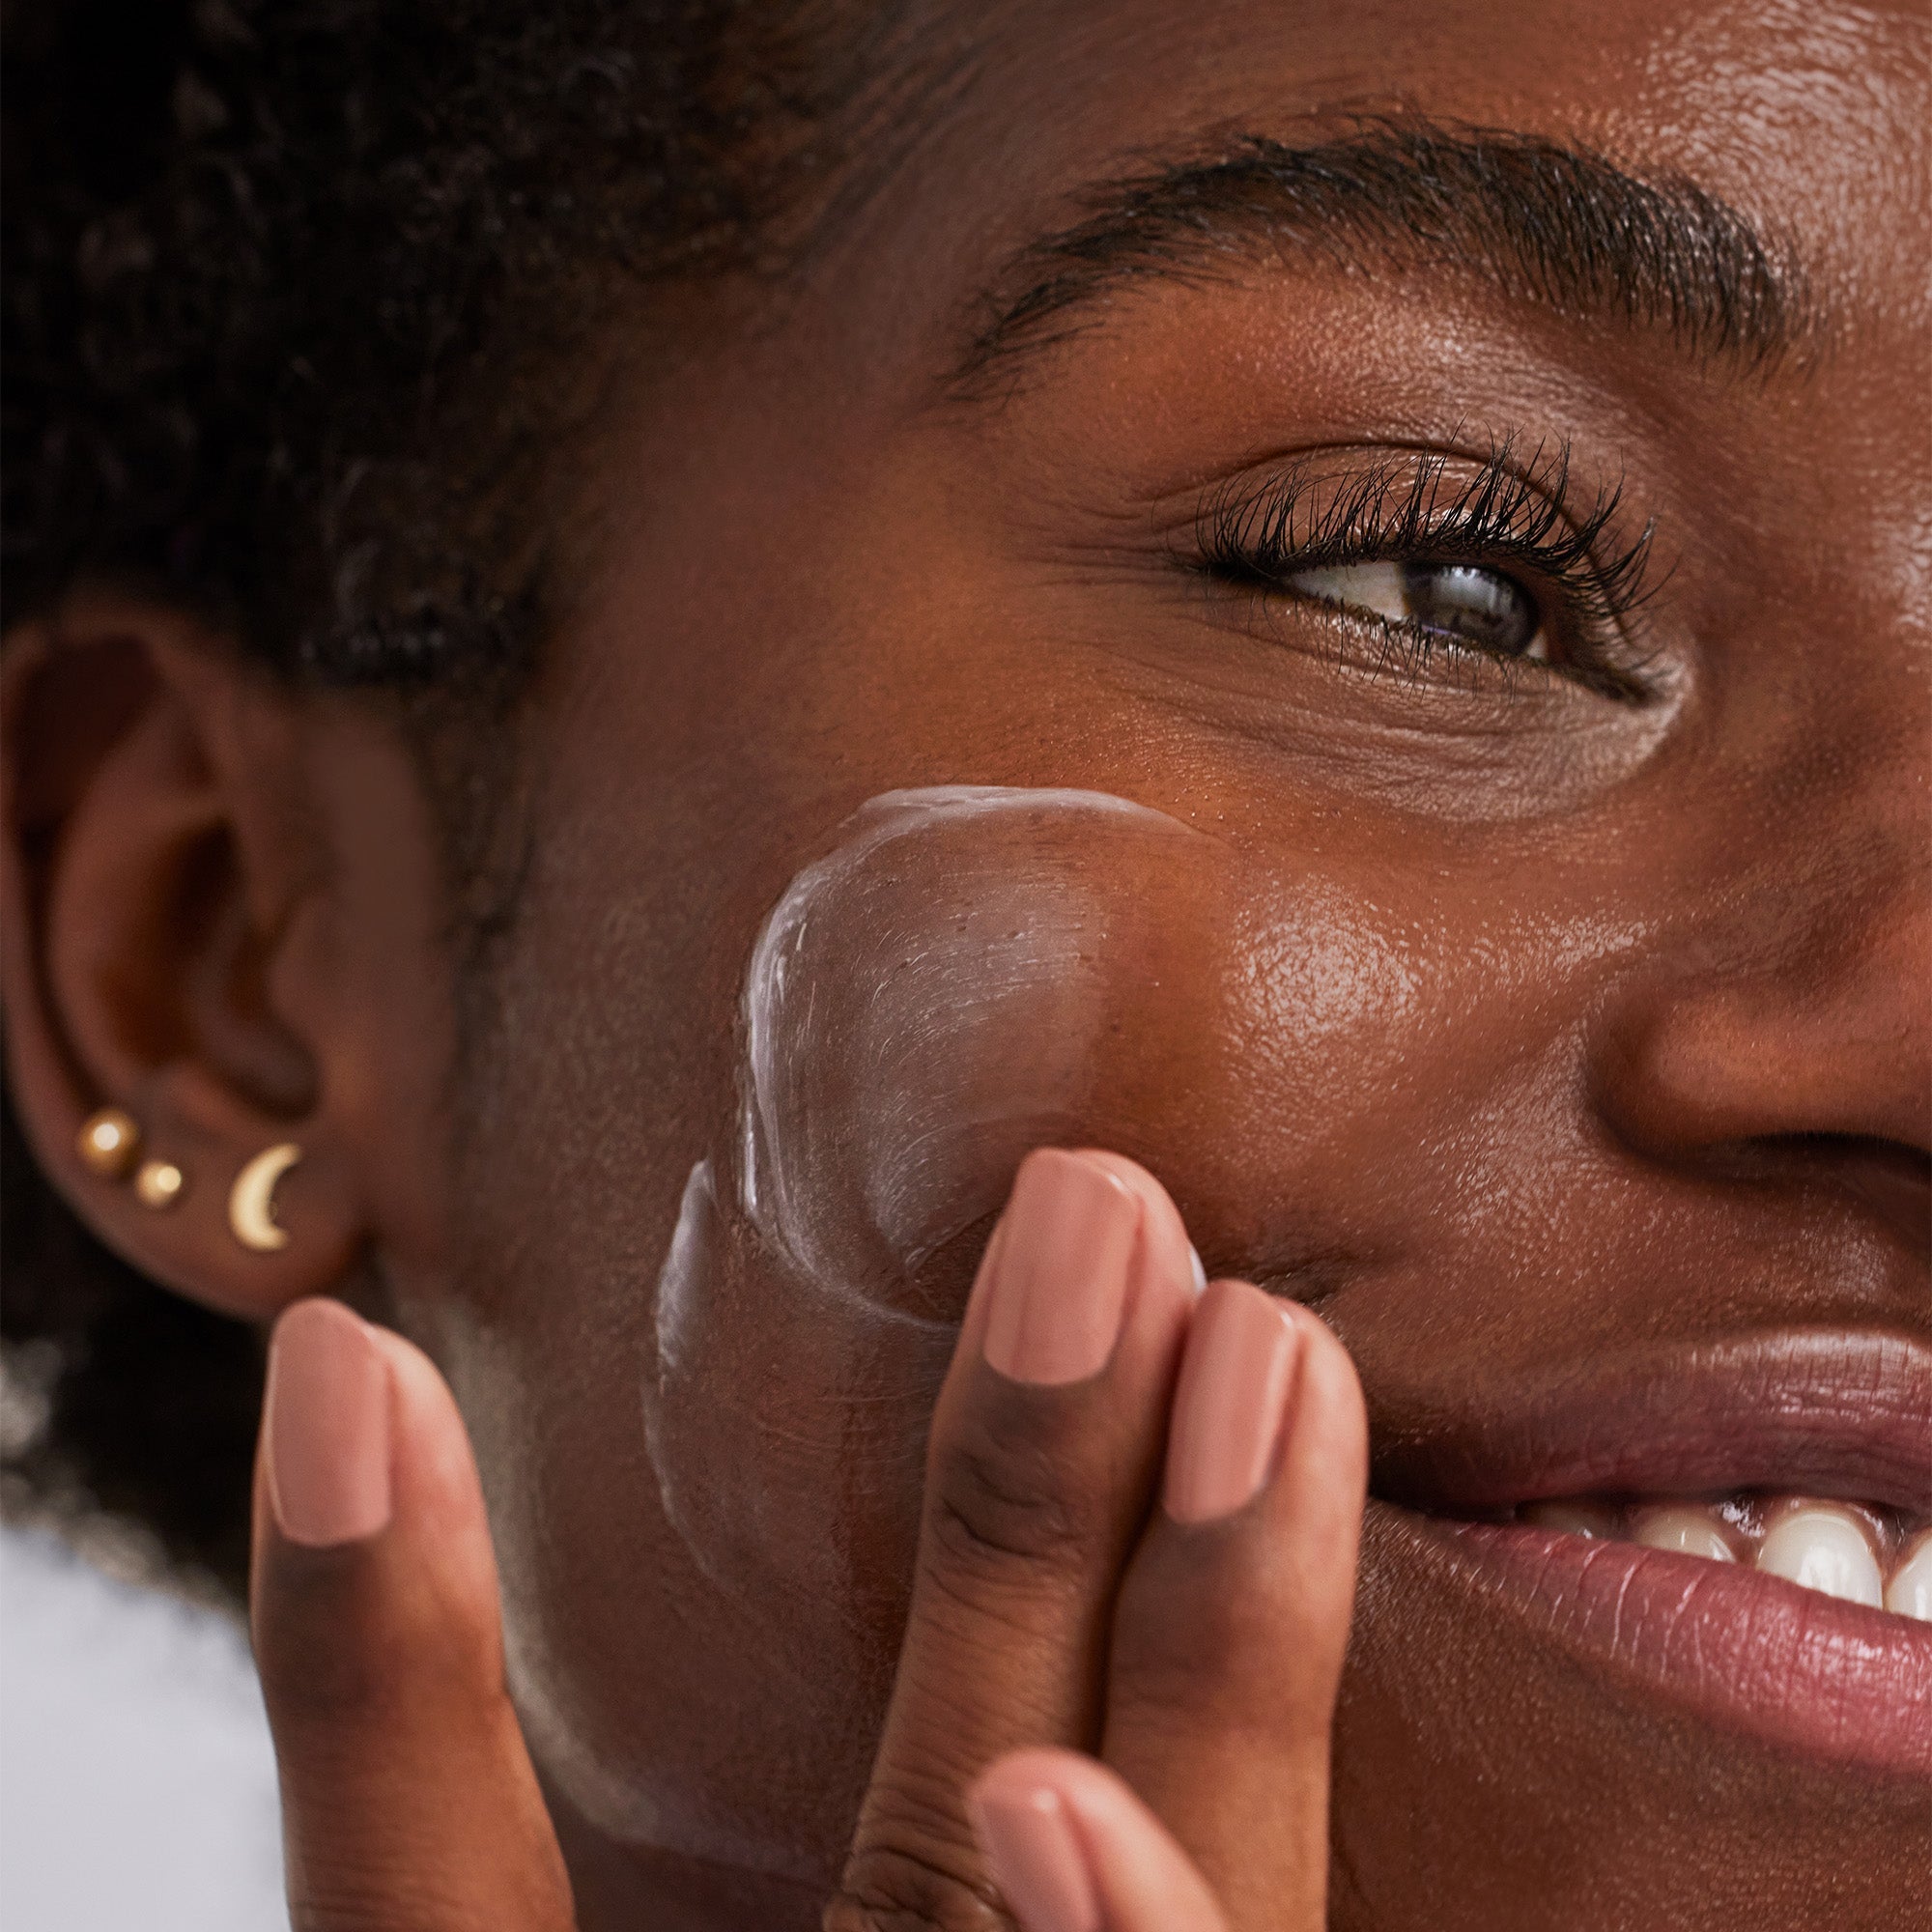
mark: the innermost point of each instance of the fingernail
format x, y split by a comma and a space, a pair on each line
1163, 1254
1057, 1278
1036, 1860
327, 1430
1229, 1405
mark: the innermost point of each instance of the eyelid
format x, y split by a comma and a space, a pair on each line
1402, 505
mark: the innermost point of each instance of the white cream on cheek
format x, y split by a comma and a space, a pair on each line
923, 1005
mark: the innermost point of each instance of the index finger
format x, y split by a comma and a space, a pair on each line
1042, 1460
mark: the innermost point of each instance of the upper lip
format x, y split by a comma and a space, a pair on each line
1822, 1412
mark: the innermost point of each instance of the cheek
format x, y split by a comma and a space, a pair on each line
968, 974
942, 992
967, 977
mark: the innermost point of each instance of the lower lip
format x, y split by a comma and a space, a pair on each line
1750, 1653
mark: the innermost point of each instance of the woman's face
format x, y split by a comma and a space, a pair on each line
1558, 1030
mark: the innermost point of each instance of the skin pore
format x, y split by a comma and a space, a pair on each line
1537, 1025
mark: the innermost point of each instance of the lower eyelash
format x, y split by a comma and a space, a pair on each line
1405, 507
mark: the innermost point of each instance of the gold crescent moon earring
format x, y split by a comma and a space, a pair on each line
251, 1200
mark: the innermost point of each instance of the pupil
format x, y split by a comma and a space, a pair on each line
1463, 600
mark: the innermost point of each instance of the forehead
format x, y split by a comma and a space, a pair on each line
1812, 121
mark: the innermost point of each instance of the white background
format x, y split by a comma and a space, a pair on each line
137, 1789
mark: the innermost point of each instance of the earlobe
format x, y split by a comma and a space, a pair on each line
149, 888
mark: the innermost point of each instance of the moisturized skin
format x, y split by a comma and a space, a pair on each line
970, 973
934, 998
1565, 1042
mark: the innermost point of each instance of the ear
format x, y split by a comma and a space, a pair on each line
179, 943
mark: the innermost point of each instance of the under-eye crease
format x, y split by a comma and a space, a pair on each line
1483, 561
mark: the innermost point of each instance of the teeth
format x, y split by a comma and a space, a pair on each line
1826, 1548
1908, 1593
1684, 1528
1858, 1556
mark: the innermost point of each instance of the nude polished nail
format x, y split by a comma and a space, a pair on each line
1036, 1860
1057, 1276
328, 1433
1233, 1398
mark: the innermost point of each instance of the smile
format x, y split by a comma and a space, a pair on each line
1745, 1534
1859, 1554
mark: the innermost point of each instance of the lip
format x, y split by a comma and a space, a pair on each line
1745, 1651
1822, 1412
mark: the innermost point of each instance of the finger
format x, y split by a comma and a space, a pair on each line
408, 1801
1073, 1850
1233, 1619
1045, 1453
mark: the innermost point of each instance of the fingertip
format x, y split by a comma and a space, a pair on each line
1154, 1199
1331, 1388
1019, 1808
325, 1427
437, 1483
1075, 1850
1170, 1270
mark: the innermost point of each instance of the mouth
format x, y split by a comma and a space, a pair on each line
1745, 1531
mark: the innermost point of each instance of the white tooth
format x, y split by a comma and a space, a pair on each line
1908, 1593
1824, 1548
1573, 1519
1686, 1529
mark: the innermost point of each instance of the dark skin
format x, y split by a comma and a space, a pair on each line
1610, 1015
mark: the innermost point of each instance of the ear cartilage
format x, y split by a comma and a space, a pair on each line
109, 1143
158, 1183
251, 1200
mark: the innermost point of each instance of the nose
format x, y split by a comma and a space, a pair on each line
1795, 1046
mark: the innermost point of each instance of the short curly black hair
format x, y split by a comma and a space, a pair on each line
300, 296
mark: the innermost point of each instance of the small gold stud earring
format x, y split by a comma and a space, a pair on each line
109, 1142
158, 1183
251, 1200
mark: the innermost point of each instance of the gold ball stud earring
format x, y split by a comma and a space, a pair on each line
251, 1200
109, 1142
158, 1183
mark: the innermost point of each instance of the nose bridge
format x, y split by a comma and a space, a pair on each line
1796, 999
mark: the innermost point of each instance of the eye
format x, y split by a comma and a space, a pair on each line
1465, 601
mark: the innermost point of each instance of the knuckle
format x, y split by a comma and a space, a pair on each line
331, 1897
1211, 1639
1003, 1506
321, 1681
899, 1889
333, 1651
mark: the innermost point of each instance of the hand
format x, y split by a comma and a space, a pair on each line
1146, 1553
1192, 1643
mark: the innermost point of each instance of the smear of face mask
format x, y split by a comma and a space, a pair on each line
969, 973
926, 1004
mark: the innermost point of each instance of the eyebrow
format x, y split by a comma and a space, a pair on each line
1552, 225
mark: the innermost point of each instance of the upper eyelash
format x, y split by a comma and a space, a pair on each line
1506, 510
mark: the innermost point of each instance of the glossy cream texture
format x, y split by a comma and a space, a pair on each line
923, 1005
927, 1003
965, 975
951, 986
